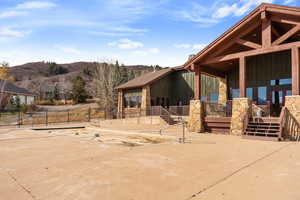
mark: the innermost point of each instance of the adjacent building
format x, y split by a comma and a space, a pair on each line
9, 90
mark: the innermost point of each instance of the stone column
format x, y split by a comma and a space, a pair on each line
146, 100
222, 99
195, 123
120, 104
292, 103
241, 107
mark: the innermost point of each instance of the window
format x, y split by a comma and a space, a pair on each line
168, 102
249, 93
235, 93
204, 98
214, 97
157, 101
126, 102
163, 102
262, 95
286, 81
139, 101
133, 102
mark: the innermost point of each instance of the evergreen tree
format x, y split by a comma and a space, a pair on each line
56, 95
79, 93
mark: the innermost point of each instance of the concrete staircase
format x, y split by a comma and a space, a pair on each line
263, 129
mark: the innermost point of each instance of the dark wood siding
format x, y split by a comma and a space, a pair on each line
179, 87
263, 68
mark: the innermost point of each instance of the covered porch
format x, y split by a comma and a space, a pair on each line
257, 61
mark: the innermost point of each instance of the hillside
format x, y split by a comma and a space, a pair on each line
35, 76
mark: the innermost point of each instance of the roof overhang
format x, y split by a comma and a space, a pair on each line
246, 25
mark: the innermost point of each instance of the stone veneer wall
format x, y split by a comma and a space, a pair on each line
146, 100
291, 131
222, 99
120, 104
292, 103
195, 123
241, 107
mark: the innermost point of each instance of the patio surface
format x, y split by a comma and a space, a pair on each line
73, 164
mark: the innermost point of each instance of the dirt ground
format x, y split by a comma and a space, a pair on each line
140, 164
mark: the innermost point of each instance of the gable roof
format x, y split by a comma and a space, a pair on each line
8, 87
241, 24
147, 78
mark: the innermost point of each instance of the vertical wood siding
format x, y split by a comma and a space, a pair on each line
179, 86
263, 68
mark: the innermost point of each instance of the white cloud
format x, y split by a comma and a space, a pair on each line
128, 29
238, 9
126, 44
190, 46
12, 13
69, 50
154, 51
6, 32
289, 2
208, 16
225, 11
146, 52
35, 5
118, 31
199, 46
182, 46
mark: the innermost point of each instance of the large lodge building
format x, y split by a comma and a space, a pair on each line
246, 82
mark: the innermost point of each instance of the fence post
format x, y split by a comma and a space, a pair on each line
46, 117
68, 116
19, 119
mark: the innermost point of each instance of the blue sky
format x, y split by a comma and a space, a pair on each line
162, 32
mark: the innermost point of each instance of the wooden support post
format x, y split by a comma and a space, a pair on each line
266, 33
197, 83
242, 82
295, 71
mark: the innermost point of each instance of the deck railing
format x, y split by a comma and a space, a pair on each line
218, 110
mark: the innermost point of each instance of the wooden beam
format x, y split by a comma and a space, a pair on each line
266, 36
197, 83
231, 42
285, 20
242, 77
248, 44
283, 11
274, 30
287, 35
212, 72
255, 52
263, 15
295, 71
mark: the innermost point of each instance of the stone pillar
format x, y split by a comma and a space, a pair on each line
195, 123
146, 100
120, 104
292, 103
222, 99
241, 107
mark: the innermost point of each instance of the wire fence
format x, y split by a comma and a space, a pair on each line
18, 119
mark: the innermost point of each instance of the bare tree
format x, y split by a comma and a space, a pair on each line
106, 77
4, 76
